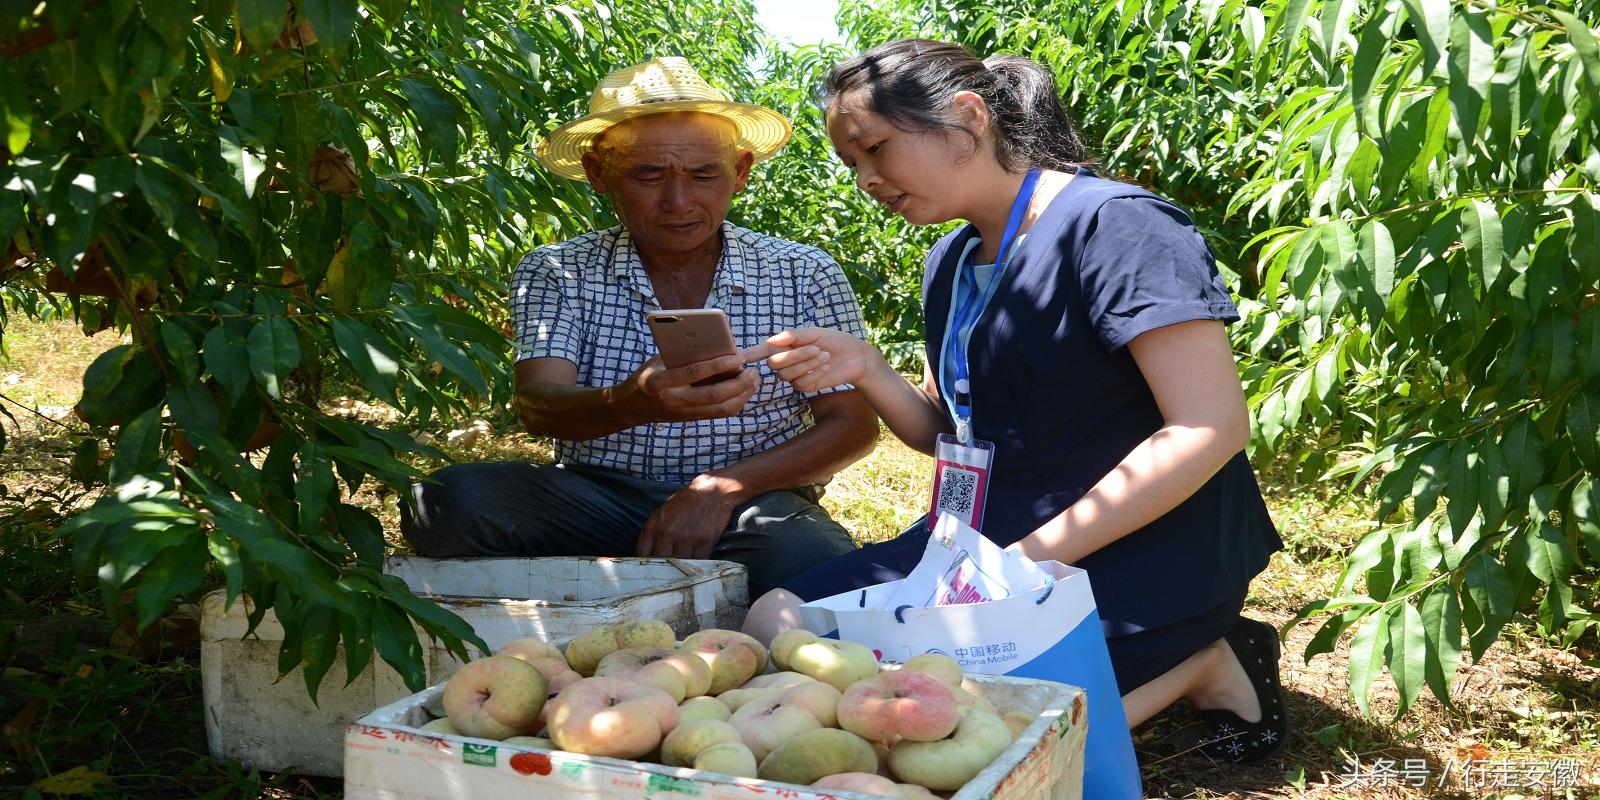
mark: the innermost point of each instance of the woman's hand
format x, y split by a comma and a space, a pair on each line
812, 359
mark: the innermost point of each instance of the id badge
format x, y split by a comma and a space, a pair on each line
960, 480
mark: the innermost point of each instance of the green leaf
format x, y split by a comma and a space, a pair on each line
1524, 448
434, 617
193, 408
255, 117
176, 572
173, 202
1366, 658
73, 78
1456, 546
372, 461
321, 231
1583, 43
274, 350
319, 644
397, 644
1582, 421
260, 540
1407, 653
223, 460
1424, 553
138, 449
1431, 20
1494, 487
356, 632
1335, 23
436, 115
363, 532
1490, 596
1480, 234
1434, 135
1429, 483
121, 383
1547, 553
371, 356
1327, 636
260, 22
16, 113
487, 100
424, 325
391, 11
1586, 513
333, 20
1586, 235
221, 67
313, 484
247, 166
1368, 553
1471, 67
1462, 488
1338, 244
1370, 51
1550, 557
1441, 623
171, 20
226, 554
1292, 19
227, 359
178, 348
132, 545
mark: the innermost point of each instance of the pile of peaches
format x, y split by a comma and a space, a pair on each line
812, 711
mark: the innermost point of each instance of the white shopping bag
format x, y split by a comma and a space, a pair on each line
960, 566
1051, 632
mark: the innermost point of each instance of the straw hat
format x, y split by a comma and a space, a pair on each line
658, 86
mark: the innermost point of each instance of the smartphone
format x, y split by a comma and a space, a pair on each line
687, 335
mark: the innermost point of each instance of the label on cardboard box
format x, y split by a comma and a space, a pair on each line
479, 754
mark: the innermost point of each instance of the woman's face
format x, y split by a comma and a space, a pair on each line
916, 175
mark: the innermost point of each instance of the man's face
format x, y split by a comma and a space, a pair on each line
670, 178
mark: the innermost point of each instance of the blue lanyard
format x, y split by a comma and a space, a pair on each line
971, 307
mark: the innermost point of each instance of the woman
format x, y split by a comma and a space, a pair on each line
1085, 320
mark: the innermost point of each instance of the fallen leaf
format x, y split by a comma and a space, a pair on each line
78, 780
19, 725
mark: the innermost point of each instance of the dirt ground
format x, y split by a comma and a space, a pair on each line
1526, 719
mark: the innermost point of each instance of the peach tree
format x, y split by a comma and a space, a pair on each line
1407, 195
271, 196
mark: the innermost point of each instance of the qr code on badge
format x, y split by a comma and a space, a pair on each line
958, 489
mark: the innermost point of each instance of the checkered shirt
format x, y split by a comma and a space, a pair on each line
584, 300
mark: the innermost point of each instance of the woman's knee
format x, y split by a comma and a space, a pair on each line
773, 613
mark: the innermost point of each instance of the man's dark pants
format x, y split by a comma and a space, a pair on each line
518, 509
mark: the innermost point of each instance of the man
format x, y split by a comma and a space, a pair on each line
653, 461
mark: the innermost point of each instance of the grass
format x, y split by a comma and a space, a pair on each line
75, 693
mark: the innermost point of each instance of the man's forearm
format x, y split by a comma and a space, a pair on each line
572, 413
812, 457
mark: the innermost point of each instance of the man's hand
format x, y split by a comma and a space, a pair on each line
689, 524
655, 393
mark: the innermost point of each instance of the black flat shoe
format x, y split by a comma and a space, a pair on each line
1232, 739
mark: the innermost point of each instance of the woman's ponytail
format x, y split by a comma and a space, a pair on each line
1032, 125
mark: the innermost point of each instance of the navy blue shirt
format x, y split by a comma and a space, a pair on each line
1055, 388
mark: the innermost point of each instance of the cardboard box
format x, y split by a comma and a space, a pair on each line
388, 757
272, 724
